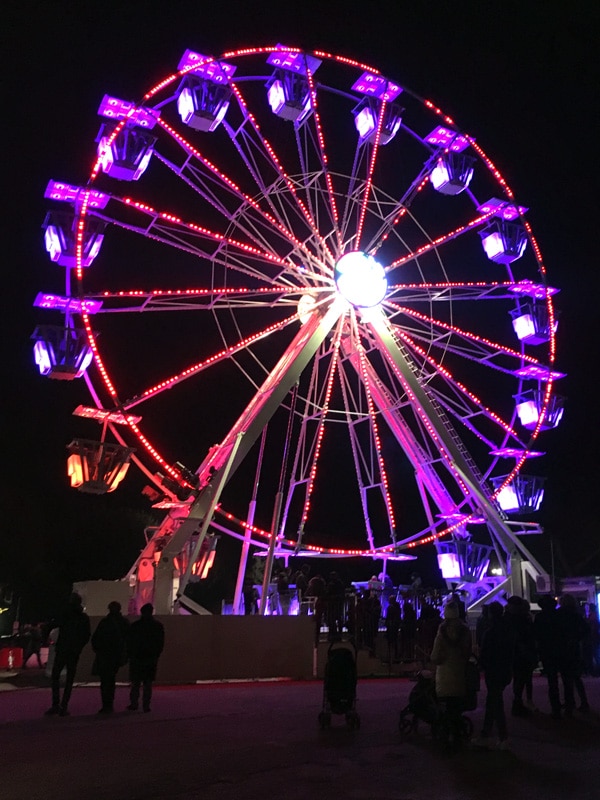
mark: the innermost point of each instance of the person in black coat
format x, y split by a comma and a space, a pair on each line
145, 644
547, 638
496, 658
74, 634
525, 654
109, 642
572, 629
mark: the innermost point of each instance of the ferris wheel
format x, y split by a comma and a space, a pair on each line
296, 272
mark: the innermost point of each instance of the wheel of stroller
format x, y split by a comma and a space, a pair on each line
406, 723
353, 720
466, 727
324, 720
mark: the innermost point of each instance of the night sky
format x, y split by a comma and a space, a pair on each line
522, 77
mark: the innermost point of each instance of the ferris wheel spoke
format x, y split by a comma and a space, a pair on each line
217, 298
430, 460
199, 241
455, 291
392, 219
439, 241
198, 367
264, 220
377, 443
305, 470
271, 162
369, 181
465, 405
316, 117
473, 346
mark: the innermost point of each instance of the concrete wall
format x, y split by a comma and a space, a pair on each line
216, 647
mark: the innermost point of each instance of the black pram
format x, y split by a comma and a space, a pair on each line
424, 705
339, 685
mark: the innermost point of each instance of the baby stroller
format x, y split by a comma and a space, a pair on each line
425, 706
339, 685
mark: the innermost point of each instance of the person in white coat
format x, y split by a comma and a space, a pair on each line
451, 651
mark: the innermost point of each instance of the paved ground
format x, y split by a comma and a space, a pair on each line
262, 740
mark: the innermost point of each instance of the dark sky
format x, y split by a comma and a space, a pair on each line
522, 77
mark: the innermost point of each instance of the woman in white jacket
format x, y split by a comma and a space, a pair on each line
451, 651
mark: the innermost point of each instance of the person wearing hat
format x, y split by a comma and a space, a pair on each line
145, 644
451, 651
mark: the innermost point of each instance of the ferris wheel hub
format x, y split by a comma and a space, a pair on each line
360, 279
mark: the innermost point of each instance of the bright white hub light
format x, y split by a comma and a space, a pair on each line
360, 279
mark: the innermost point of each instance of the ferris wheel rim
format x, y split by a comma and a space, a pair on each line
152, 93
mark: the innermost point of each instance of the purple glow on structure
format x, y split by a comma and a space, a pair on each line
501, 209
449, 565
70, 304
536, 290
56, 190
458, 516
528, 413
452, 174
294, 62
62, 249
504, 242
365, 122
366, 116
106, 416
445, 137
538, 373
214, 71
529, 407
59, 353
515, 452
523, 496
113, 108
531, 324
376, 86
284, 107
112, 162
200, 112
44, 356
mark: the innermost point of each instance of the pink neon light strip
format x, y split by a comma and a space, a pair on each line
226, 353
465, 334
399, 215
448, 237
225, 291
376, 437
233, 186
448, 375
321, 425
282, 173
324, 159
369, 181
214, 236
428, 426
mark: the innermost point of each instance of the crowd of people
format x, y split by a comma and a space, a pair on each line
409, 617
509, 642
115, 643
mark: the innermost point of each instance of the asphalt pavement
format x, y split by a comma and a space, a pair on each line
232, 741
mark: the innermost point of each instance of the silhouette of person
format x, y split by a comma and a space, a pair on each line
496, 657
451, 651
109, 642
33, 644
547, 637
73, 635
392, 627
145, 644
